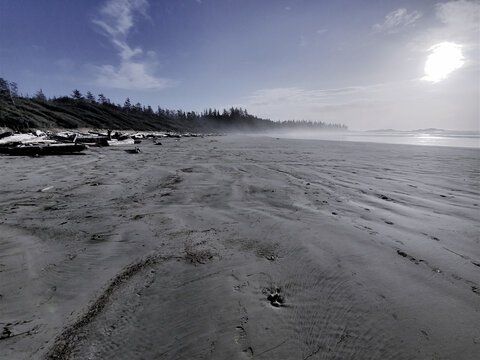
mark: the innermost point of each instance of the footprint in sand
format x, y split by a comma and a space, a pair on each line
241, 336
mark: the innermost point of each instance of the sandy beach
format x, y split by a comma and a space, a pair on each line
238, 247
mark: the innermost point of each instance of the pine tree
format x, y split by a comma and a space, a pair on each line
13, 88
40, 96
127, 105
102, 99
91, 98
4, 89
77, 95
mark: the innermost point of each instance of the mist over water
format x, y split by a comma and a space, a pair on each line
464, 139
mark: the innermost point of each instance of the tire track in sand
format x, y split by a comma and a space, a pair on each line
66, 341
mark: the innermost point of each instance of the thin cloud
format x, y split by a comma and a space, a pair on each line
396, 20
461, 19
332, 105
116, 19
117, 16
294, 95
129, 75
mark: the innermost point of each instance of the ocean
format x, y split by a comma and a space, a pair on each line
426, 138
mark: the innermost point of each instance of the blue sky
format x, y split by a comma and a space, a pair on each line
361, 63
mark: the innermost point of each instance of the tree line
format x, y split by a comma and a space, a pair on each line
225, 118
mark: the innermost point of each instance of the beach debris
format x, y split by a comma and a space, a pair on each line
6, 134
270, 257
39, 150
275, 298
38, 143
46, 189
133, 151
388, 222
99, 133
476, 263
92, 141
6, 333
120, 142
20, 139
384, 197
476, 290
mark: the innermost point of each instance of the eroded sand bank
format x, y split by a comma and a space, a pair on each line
172, 253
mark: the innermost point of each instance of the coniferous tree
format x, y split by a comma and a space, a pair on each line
77, 95
4, 89
149, 110
127, 105
13, 88
91, 98
102, 99
40, 96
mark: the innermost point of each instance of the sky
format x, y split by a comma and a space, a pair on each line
378, 64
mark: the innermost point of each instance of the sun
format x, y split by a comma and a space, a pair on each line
444, 58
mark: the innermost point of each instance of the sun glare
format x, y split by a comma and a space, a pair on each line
444, 58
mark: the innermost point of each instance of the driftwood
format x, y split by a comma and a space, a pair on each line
98, 141
6, 134
38, 150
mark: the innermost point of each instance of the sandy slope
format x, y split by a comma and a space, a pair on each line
172, 253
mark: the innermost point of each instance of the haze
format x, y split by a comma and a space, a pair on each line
369, 65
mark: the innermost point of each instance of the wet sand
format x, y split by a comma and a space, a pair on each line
372, 251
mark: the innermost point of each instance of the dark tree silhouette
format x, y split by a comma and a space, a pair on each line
4, 89
14, 88
102, 99
127, 105
77, 95
91, 98
73, 112
40, 96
